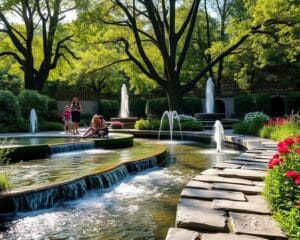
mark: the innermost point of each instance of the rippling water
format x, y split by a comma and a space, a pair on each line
142, 206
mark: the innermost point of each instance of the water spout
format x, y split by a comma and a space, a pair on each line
209, 96
124, 112
219, 135
171, 117
33, 121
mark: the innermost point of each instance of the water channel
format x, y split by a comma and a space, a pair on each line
142, 206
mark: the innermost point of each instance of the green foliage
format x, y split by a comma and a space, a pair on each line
9, 110
278, 133
4, 182
262, 102
4, 159
157, 106
251, 127
137, 107
50, 126
10, 82
109, 108
154, 124
292, 101
29, 99
243, 104
192, 105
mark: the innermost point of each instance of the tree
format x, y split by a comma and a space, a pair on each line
40, 19
153, 23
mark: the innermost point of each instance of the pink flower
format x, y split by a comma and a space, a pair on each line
291, 174
282, 147
276, 155
297, 180
289, 141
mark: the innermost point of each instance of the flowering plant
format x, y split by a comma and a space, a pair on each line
116, 125
282, 184
252, 115
184, 117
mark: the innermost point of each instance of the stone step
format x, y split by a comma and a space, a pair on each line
254, 224
228, 236
195, 203
212, 194
200, 219
182, 234
255, 167
222, 165
250, 159
247, 163
241, 173
215, 179
198, 184
236, 187
242, 207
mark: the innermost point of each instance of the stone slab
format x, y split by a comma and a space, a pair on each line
198, 184
245, 174
222, 165
255, 167
248, 163
195, 203
215, 179
204, 219
242, 207
254, 224
251, 159
210, 171
228, 236
182, 234
237, 187
212, 194
258, 199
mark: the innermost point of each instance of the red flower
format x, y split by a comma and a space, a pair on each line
289, 141
297, 180
291, 174
276, 155
282, 147
298, 138
281, 159
273, 162
297, 150
297, 204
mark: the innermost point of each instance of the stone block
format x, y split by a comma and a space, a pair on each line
182, 234
236, 187
215, 179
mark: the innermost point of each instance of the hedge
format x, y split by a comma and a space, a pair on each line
137, 108
9, 110
109, 108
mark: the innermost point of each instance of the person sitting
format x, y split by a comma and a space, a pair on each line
94, 128
103, 129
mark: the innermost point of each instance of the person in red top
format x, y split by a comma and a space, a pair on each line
67, 119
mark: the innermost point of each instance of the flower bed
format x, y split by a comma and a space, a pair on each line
282, 185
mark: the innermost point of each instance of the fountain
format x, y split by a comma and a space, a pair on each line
171, 116
209, 104
219, 135
33, 121
124, 110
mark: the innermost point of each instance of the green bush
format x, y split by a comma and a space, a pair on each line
9, 110
286, 130
137, 108
157, 106
262, 102
147, 124
29, 99
50, 126
4, 182
292, 101
251, 127
243, 104
192, 105
109, 108
4, 159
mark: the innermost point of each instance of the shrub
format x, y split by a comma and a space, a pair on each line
251, 115
157, 106
243, 104
4, 177
282, 185
292, 101
191, 126
184, 118
109, 108
9, 110
192, 105
50, 126
137, 107
116, 125
29, 99
262, 102
251, 127
4, 182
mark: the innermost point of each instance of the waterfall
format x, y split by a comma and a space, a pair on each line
33, 120
48, 198
171, 116
124, 112
209, 96
71, 147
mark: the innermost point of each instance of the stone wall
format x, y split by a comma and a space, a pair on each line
229, 105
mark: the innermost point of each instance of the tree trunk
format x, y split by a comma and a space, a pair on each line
175, 98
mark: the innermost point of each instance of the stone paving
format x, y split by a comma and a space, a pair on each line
225, 202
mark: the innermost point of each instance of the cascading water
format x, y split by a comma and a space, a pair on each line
209, 96
171, 117
33, 120
47, 198
124, 112
219, 135
71, 147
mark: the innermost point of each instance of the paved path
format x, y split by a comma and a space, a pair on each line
225, 202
